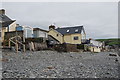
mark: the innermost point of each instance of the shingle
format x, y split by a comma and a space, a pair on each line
70, 30
5, 21
4, 18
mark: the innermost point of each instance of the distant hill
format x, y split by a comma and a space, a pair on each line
111, 42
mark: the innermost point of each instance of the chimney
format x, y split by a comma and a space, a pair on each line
51, 27
2, 11
17, 25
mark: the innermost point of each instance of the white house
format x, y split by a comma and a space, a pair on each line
96, 43
37, 32
96, 46
28, 31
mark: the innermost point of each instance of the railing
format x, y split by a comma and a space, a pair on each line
16, 42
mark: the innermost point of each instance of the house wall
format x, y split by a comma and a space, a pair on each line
4, 29
12, 27
67, 39
95, 49
83, 35
54, 33
28, 31
19, 28
12, 34
96, 43
38, 33
43, 34
70, 38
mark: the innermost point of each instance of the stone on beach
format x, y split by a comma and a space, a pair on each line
52, 64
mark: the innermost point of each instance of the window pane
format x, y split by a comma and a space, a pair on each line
76, 38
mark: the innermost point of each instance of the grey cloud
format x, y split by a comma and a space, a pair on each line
99, 19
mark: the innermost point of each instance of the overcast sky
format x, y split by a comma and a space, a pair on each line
100, 19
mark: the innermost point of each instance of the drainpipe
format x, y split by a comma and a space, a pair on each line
63, 39
8, 29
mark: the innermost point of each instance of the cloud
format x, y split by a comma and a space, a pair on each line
99, 19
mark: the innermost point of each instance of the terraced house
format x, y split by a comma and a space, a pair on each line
6, 24
71, 35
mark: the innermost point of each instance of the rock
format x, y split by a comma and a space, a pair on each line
112, 54
43, 64
50, 67
116, 60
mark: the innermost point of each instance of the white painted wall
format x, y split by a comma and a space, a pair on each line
43, 34
28, 31
12, 27
96, 43
39, 33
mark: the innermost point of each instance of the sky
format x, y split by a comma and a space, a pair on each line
100, 19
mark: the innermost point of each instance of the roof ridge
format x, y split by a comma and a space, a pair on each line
72, 30
69, 27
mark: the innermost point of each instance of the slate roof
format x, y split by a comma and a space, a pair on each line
70, 30
5, 21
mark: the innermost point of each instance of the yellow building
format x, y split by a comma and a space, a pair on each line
71, 35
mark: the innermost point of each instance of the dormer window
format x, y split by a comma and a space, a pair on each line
68, 30
76, 30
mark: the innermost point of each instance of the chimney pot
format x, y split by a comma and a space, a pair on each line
2, 11
52, 26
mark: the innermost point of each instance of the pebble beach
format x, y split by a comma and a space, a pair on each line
52, 64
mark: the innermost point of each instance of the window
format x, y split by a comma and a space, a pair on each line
76, 38
76, 30
68, 30
57, 35
0, 32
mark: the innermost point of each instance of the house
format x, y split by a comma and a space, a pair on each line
6, 24
96, 43
22, 31
37, 32
71, 35
28, 31
95, 46
19, 27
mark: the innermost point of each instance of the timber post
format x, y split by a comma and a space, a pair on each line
9, 43
24, 48
16, 46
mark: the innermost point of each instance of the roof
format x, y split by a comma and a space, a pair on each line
35, 29
70, 30
5, 21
